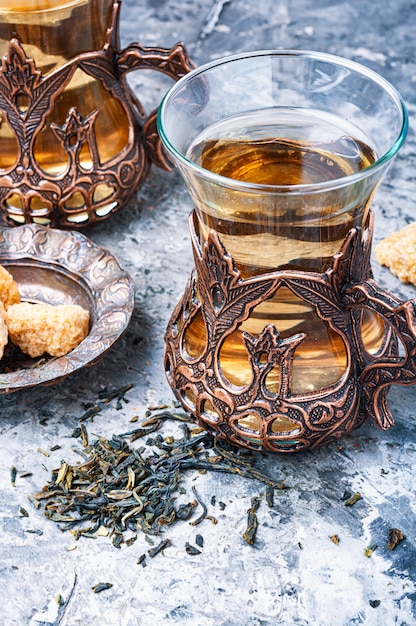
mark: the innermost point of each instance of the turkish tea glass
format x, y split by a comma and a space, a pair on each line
282, 153
75, 142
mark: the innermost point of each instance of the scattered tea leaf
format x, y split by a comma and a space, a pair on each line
101, 587
34, 501
13, 474
141, 432
166, 543
204, 508
43, 452
249, 534
353, 499
122, 489
118, 539
116, 394
89, 414
184, 511
395, 537
269, 496
160, 407
24, 474
370, 549
131, 540
192, 550
84, 435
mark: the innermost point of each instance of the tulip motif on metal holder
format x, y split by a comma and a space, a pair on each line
79, 195
253, 416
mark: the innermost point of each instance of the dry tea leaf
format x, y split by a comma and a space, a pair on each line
192, 550
370, 549
119, 489
351, 501
395, 537
13, 474
249, 534
101, 587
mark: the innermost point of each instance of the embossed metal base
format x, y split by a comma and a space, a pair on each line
251, 416
79, 195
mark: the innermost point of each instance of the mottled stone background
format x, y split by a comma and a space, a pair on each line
294, 574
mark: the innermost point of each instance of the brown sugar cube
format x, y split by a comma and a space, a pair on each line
398, 252
40, 328
4, 333
9, 292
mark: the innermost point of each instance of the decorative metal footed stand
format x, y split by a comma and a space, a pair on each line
217, 292
79, 195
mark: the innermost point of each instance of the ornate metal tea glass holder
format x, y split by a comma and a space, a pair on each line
79, 195
217, 292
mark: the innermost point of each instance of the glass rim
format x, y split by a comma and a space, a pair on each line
316, 187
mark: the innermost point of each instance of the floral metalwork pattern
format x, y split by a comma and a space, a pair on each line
79, 195
283, 421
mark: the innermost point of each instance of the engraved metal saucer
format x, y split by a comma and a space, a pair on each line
64, 267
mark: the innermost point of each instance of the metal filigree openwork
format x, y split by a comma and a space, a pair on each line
79, 195
217, 294
55, 266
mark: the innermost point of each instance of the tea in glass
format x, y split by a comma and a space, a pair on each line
271, 232
52, 32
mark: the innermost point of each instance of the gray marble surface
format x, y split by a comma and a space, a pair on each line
294, 573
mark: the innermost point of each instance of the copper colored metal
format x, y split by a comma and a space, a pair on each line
224, 299
124, 174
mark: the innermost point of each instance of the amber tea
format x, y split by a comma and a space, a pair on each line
283, 340
265, 230
53, 32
